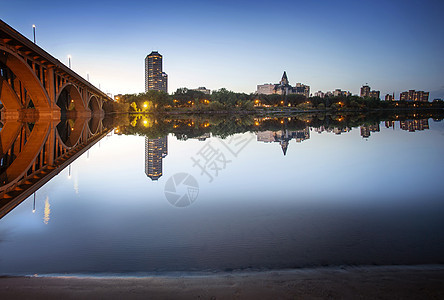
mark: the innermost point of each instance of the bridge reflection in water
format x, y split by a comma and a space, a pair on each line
34, 152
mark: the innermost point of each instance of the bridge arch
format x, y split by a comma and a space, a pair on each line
8, 135
69, 131
70, 100
8, 97
94, 105
94, 124
27, 77
26, 157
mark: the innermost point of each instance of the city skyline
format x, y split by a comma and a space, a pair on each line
228, 46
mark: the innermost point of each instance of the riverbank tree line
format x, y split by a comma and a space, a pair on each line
184, 99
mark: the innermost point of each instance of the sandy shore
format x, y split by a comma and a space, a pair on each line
390, 282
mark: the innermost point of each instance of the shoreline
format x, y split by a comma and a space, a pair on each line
282, 110
342, 282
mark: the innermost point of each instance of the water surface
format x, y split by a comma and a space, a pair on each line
265, 199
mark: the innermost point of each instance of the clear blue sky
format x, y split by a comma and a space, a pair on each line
391, 45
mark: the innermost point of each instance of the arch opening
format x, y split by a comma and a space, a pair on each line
70, 130
70, 101
94, 106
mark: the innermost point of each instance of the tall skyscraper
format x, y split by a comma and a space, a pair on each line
155, 78
155, 151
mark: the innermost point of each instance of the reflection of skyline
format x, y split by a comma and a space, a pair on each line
283, 137
155, 151
413, 125
335, 130
367, 129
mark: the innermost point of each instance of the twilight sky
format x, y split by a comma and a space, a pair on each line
391, 45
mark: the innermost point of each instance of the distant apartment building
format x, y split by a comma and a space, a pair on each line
367, 92
339, 92
203, 90
155, 78
319, 94
283, 88
374, 94
389, 97
413, 95
335, 93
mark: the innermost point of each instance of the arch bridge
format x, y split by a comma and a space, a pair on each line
32, 153
34, 84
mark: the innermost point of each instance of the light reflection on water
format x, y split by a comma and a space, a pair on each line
275, 199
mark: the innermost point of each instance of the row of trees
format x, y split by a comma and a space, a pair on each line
228, 100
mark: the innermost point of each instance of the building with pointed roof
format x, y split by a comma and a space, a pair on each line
283, 88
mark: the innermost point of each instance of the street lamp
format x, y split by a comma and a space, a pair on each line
33, 30
69, 60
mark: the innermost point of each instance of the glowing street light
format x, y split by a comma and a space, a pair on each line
33, 30
69, 60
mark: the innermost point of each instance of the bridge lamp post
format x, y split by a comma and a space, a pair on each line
33, 30
69, 60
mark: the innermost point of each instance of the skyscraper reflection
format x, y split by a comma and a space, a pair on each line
155, 151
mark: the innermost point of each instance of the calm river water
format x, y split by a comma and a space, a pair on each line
271, 199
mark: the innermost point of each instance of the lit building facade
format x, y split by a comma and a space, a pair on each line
283, 88
366, 92
155, 151
265, 89
413, 95
339, 92
319, 94
389, 97
155, 78
414, 125
374, 94
365, 130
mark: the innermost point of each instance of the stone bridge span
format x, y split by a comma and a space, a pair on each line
35, 84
